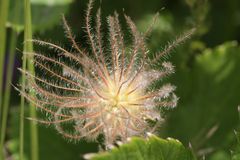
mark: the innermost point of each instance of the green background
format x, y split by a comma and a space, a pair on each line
207, 70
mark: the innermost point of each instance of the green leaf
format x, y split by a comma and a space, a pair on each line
153, 148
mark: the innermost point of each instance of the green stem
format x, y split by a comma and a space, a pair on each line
22, 103
10, 65
34, 135
8, 87
4, 6
28, 47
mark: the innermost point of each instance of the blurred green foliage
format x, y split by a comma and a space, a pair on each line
45, 14
52, 145
207, 70
207, 111
236, 152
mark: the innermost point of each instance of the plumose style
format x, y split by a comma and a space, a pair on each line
103, 89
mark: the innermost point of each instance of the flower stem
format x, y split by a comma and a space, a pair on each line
3, 18
4, 7
28, 47
6, 99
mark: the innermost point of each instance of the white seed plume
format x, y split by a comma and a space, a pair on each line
101, 89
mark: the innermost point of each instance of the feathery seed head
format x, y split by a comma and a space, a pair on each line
98, 93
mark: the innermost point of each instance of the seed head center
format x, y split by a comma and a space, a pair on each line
118, 95
117, 98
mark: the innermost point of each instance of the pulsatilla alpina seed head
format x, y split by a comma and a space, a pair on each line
101, 89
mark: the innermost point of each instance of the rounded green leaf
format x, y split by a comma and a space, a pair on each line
152, 148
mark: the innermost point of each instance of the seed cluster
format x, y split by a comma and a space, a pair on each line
102, 89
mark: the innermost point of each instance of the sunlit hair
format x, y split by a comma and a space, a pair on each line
105, 88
